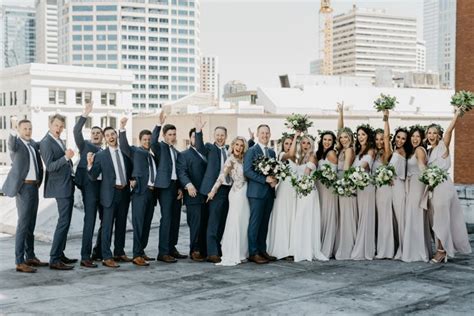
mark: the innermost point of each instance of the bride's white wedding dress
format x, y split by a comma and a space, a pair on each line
235, 240
306, 238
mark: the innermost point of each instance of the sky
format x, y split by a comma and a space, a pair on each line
258, 40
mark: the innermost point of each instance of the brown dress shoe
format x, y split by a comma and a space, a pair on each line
110, 263
88, 264
140, 261
268, 257
167, 259
35, 262
196, 256
177, 255
214, 259
60, 266
23, 267
123, 258
258, 259
148, 258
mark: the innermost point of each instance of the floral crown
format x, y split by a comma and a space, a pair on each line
415, 127
324, 132
401, 129
437, 126
344, 130
286, 135
306, 135
365, 126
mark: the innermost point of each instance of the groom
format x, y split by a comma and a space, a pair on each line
261, 194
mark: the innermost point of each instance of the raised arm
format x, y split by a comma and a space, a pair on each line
291, 154
387, 150
155, 135
340, 119
123, 141
77, 131
199, 142
449, 131
228, 166
12, 138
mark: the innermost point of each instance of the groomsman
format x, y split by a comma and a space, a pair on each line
261, 195
191, 168
90, 189
59, 184
169, 193
23, 181
216, 155
116, 169
144, 192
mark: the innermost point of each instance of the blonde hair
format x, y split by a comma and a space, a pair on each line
234, 141
304, 157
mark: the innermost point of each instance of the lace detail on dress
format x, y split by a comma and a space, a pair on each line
235, 169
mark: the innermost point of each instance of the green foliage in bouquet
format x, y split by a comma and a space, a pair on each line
385, 102
463, 100
298, 122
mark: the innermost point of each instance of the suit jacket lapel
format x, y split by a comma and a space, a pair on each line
110, 161
55, 142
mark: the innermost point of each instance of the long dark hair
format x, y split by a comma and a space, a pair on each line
413, 130
370, 140
407, 144
321, 153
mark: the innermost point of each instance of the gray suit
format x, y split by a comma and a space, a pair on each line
26, 195
59, 184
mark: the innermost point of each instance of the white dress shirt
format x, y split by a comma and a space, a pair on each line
223, 163
150, 183
31, 175
114, 161
173, 168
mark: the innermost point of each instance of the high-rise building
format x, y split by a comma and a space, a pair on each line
420, 56
46, 31
17, 36
367, 39
234, 86
439, 32
209, 76
315, 67
157, 39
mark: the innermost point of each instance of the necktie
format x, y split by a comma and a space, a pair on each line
174, 152
266, 152
152, 171
30, 148
228, 180
120, 169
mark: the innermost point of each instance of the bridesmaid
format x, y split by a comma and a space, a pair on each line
326, 155
283, 213
383, 195
364, 247
416, 238
401, 146
448, 220
347, 224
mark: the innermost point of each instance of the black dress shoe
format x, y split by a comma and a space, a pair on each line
148, 258
167, 259
96, 257
60, 266
177, 255
66, 260
268, 257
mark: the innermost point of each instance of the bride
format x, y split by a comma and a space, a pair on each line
306, 232
234, 240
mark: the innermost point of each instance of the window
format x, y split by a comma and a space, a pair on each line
101, 47
77, 37
3, 122
101, 57
87, 96
52, 96
112, 99
77, 27
101, 37
88, 28
106, 18
76, 47
100, 27
88, 37
112, 37
3, 145
79, 97
112, 57
112, 47
88, 57
62, 97
88, 47
82, 17
112, 27
108, 121
81, 8
106, 8
88, 123
103, 98
25, 96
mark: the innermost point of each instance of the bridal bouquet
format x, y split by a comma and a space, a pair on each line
268, 166
464, 101
385, 102
326, 175
359, 177
303, 185
298, 122
432, 176
344, 186
384, 175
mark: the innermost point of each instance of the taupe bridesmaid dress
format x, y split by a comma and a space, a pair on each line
399, 203
383, 206
347, 223
364, 247
448, 225
416, 238
329, 214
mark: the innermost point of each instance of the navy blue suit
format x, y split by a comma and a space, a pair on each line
167, 195
143, 197
219, 205
191, 167
261, 197
114, 200
90, 193
26, 195
59, 184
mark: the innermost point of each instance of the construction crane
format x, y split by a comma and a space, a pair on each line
326, 12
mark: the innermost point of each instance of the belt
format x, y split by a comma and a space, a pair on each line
151, 188
119, 187
30, 182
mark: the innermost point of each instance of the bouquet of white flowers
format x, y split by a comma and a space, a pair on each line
359, 177
464, 100
344, 187
384, 175
326, 175
271, 167
303, 185
282, 170
432, 176
385, 102
298, 122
